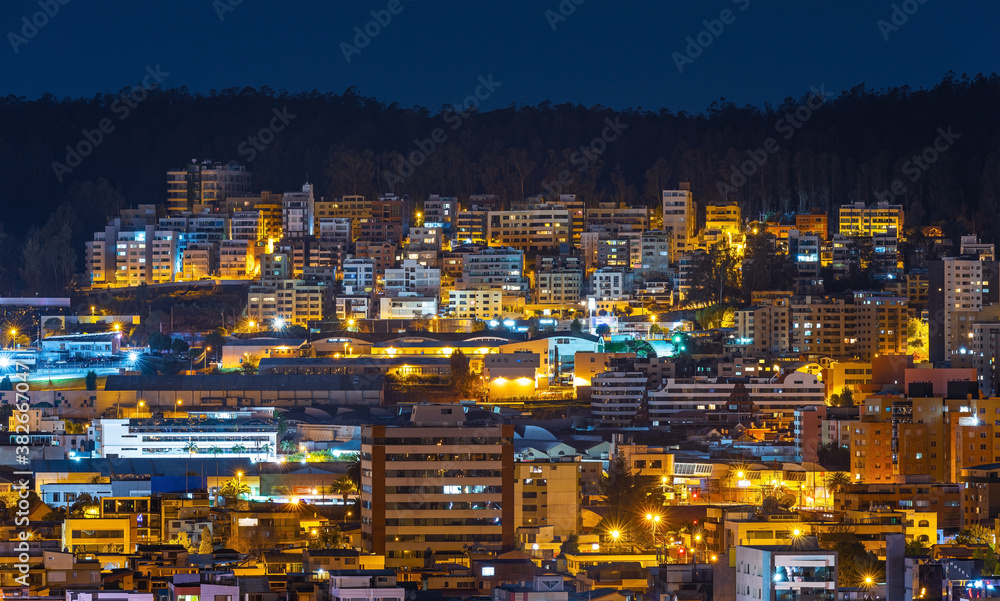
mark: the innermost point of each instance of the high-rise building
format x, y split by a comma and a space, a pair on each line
959, 288
205, 183
436, 485
298, 212
495, 267
542, 228
558, 286
863, 221
680, 214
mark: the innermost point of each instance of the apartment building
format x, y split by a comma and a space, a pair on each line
985, 349
618, 214
609, 284
495, 267
680, 217
472, 226
440, 211
408, 307
236, 260
412, 277
547, 493
859, 220
861, 327
352, 207
147, 256
540, 229
724, 217
763, 329
298, 213
616, 397
198, 262
476, 303
654, 254
813, 223
436, 485
177, 438
295, 301
959, 288
205, 183
558, 286
799, 571
775, 399
358, 276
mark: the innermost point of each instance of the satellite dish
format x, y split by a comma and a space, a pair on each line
769, 505
787, 501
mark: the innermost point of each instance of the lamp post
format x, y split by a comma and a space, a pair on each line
654, 520
13, 339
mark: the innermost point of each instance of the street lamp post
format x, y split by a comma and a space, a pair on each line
654, 520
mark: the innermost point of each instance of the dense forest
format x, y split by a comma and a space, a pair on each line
809, 151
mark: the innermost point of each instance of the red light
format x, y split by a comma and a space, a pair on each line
696, 521
681, 551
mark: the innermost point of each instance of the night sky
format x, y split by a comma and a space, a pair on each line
431, 53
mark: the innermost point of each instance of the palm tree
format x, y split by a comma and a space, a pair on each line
215, 451
191, 448
238, 449
287, 446
235, 488
343, 486
264, 449
354, 469
836, 481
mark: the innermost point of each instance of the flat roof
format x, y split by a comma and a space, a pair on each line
245, 382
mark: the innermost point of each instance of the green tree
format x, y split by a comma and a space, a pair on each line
90, 381
234, 490
461, 377
205, 546
354, 469
191, 448
916, 547
183, 540
715, 316
6, 384
976, 535
844, 399
571, 545
602, 329
836, 481
216, 340
834, 456
575, 326
159, 342
249, 365
343, 486
715, 275
179, 346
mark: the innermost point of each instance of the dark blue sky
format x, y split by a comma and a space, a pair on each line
615, 53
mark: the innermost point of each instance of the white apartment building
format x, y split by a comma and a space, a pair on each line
771, 572
365, 585
476, 303
497, 266
359, 276
609, 284
775, 398
959, 288
559, 286
336, 229
413, 277
440, 211
616, 397
246, 225
425, 238
680, 217
408, 307
147, 256
543, 228
353, 307
222, 432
